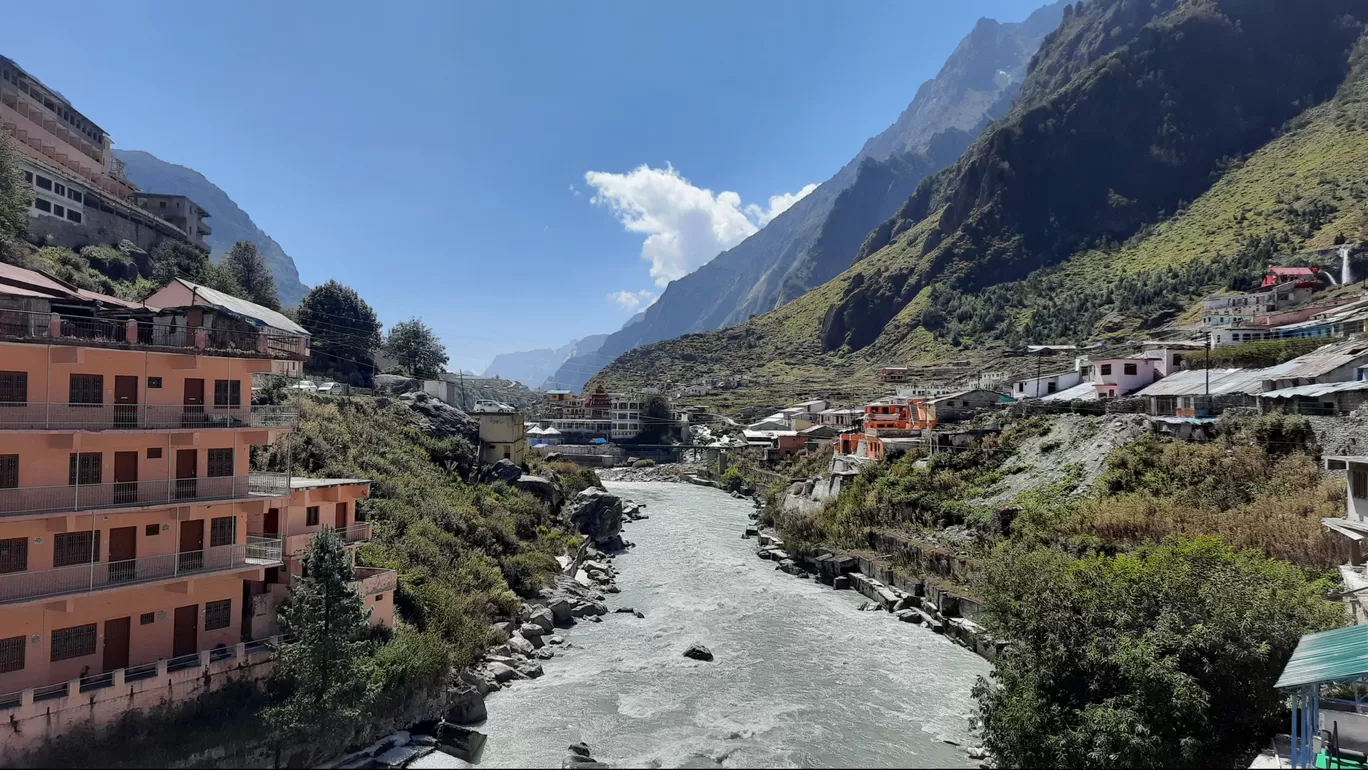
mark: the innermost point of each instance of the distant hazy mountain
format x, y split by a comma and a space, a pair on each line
530, 367
228, 221
818, 236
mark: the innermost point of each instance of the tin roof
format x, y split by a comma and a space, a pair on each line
244, 309
1328, 656
1083, 391
1313, 391
1326, 359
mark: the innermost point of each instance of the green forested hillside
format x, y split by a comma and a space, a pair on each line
1158, 150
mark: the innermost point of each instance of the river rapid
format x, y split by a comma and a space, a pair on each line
801, 678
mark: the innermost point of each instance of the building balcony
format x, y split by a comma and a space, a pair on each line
369, 581
99, 576
355, 534
37, 415
135, 494
61, 329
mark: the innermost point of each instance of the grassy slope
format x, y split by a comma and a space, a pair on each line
1318, 160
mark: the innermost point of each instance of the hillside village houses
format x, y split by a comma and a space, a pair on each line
80, 195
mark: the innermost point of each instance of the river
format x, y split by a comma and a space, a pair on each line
801, 678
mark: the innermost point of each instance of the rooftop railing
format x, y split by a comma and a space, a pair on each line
96, 576
29, 326
128, 494
37, 415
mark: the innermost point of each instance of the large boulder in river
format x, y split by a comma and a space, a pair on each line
598, 515
460, 742
543, 618
698, 652
465, 705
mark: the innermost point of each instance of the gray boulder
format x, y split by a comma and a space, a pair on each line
598, 515
522, 645
560, 610
542, 487
698, 652
465, 706
541, 616
460, 742
396, 384
502, 673
531, 630
530, 670
506, 471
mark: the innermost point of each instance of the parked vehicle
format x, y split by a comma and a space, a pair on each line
489, 405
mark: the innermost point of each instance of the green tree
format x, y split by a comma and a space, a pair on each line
325, 671
173, 259
656, 419
414, 345
1165, 657
249, 269
346, 333
15, 196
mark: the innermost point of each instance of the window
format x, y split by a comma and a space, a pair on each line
147, 618
59, 188
58, 210
218, 614
227, 392
42, 205
87, 389
75, 548
154, 453
311, 516
1021, 387
220, 462
9, 471
154, 382
1051, 387
379, 598
14, 554
28, 177
12, 654
84, 468
74, 195
1129, 368
151, 530
222, 531
1358, 482
161, 204
1177, 359
74, 216
74, 642
1104, 370
43, 182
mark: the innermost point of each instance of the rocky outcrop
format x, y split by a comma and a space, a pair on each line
698, 652
460, 742
543, 488
598, 515
395, 384
438, 418
505, 470
578, 756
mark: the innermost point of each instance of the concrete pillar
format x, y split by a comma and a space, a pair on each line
161, 668
132, 331
204, 658
73, 688
117, 678
55, 326
240, 651
200, 341
26, 698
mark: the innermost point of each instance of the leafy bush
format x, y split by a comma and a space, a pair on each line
644, 462
1161, 658
733, 479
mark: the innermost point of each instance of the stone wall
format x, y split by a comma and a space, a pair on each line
99, 227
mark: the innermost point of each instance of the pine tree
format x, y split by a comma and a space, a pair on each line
252, 273
325, 669
415, 346
346, 333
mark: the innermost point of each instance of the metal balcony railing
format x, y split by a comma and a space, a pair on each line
123, 494
83, 578
24, 325
355, 533
37, 415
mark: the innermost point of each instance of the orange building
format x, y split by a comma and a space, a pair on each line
129, 550
887, 417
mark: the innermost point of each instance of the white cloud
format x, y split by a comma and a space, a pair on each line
632, 300
685, 226
575, 190
778, 204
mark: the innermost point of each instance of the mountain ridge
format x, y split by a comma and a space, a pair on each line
228, 221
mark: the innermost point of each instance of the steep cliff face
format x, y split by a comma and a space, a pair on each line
228, 221
1155, 151
817, 237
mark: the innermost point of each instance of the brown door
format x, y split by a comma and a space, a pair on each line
271, 524
194, 403
123, 549
187, 468
125, 402
341, 516
116, 644
125, 478
185, 640
192, 545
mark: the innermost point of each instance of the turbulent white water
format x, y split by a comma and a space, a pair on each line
801, 677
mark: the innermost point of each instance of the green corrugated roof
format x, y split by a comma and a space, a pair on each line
1328, 656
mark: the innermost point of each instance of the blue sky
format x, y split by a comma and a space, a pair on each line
433, 155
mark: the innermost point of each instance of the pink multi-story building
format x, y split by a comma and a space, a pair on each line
130, 550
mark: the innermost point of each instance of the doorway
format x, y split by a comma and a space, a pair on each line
191, 545
187, 468
194, 404
123, 551
185, 638
125, 402
116, 634
270, 525
125, 478
340, 518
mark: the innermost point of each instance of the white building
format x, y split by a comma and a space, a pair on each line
626, 411
1045, 384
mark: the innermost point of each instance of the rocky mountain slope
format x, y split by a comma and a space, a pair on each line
817, 237
530, 367
228, 221
1156, 151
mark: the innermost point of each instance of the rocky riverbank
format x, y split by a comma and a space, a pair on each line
524, 642
666, 472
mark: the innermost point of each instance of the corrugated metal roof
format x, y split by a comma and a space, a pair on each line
35, 281
1083, 391
95, 296
1328, 656
1313, 391
1325, 360
244, 309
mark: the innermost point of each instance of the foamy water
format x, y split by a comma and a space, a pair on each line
801, 677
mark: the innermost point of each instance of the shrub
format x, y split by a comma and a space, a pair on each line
644, 462
733, 479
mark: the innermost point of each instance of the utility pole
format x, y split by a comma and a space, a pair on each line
1208, 373
1039, 354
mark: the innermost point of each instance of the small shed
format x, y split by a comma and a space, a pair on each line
1337, 656
1330, 399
